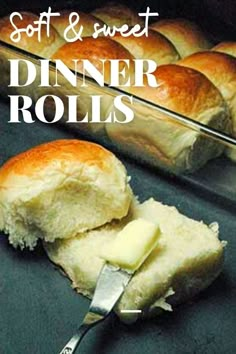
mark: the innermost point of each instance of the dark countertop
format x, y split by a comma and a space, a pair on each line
39, 311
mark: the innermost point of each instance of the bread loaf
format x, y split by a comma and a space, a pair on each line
60, 188
155, 138
186, 36
187, 258
220, 69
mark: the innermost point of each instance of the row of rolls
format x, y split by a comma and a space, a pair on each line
195, 78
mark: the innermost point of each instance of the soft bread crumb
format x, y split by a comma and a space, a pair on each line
187, 259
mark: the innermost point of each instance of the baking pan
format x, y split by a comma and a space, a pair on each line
216, 177
39, 310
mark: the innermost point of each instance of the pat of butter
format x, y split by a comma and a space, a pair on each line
132, 245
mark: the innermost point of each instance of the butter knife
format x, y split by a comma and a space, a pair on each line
110, 286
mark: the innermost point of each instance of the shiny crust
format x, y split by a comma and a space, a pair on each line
34, 160
219, 68
114, 14
184, 35
94, 50
226, 47
155, 47
86, 20
183, 90
44, 48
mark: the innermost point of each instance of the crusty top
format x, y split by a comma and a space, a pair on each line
114, 14
183, 90
185, 35
86, 20
155, 47
40, 157
226, 47
44, 48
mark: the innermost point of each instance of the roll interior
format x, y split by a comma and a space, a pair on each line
187, 258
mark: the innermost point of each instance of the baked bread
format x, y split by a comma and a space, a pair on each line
86, 20
186, 36
114, 14
187, 258
226, 47
154, 47
60, 188
220, 69
94, 50
156, 138
43, 48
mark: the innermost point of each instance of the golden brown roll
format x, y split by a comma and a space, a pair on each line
154, 137
155, 47
60, 188
226, 47
86, 20
220, 69
114, 14
94, 50
186, 36
43, 48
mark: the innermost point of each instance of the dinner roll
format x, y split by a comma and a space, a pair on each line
154, 47
187, 258
156, 138
44, 47
186, 36
114, 14
226, 47
60, 188
220, 69
86, 20
94, 50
